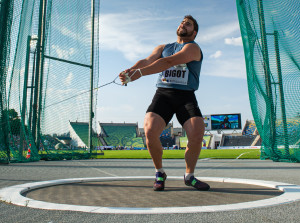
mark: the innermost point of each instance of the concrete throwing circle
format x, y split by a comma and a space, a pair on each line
14, 195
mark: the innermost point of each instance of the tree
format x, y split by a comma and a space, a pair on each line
14, 121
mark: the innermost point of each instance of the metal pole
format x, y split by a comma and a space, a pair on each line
24, 102
267, 74
31, 92
281, 92
67, 61
38, 72
41, 75
92, 77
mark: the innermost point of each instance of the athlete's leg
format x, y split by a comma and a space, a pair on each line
154, 124
194, 128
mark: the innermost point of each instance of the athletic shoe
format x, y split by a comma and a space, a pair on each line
199, 185
159, 183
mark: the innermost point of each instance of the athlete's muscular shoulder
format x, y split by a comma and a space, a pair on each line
192, 51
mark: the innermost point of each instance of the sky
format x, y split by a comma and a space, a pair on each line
130, 30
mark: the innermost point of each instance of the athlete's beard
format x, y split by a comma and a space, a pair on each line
185, 33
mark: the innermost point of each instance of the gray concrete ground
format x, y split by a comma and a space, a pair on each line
20, 173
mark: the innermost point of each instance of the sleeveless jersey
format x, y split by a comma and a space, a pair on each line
183, 76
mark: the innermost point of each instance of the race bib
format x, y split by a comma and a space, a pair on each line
176, 75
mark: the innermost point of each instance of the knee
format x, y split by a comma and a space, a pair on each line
153, 126
150, 132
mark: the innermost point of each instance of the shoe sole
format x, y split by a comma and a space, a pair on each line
160, 189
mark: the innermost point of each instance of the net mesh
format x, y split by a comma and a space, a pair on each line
49, 67
271, 37
47, 56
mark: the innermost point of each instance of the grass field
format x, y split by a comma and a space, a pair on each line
144, 154
179, 154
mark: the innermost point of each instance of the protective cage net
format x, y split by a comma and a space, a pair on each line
271, 37
49, 68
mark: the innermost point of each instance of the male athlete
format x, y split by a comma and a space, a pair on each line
179, 65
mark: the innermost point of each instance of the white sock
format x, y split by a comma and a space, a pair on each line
160, 170
188, 175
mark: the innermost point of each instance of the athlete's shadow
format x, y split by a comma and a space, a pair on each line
246, 191
178, 189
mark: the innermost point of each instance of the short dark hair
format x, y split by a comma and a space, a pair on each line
194, 21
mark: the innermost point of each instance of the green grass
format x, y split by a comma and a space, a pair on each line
179, 154
144, 154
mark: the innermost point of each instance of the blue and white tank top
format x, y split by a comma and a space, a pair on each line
183, 76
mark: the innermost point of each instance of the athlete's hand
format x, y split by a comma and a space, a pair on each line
123, 76
129, 75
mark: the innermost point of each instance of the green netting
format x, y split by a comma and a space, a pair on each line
271, 37
5, 19
49, 68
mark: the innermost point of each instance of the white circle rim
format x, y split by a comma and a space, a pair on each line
13, 195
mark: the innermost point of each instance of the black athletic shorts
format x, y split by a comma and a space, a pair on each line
167, 102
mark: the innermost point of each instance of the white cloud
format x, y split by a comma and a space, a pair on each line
83, 38
233, 68
216, 54
234, 41
136, 38
217, 32
134, 34
62, 53
69, 79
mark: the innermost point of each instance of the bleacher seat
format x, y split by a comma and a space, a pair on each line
82, 131
249, 128
166, 138
167, 141
245, 140
119, 134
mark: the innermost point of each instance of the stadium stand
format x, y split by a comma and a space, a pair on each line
257, 141
128, 135
52, 141
249, 128
79, 133
167, 141
292, 126
121, 135
244, 140
167, 138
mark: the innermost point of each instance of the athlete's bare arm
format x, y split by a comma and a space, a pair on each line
190, 52
156, 54
154, 64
